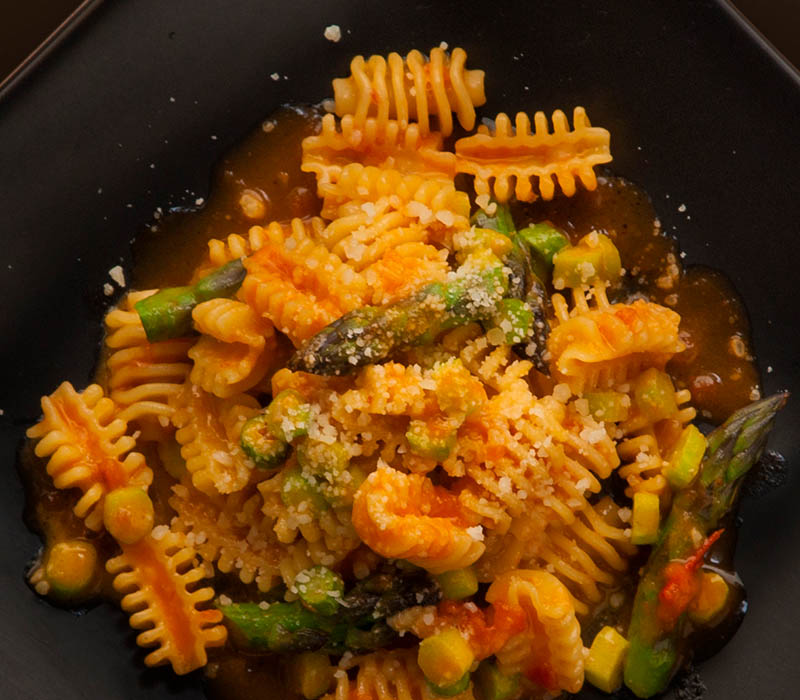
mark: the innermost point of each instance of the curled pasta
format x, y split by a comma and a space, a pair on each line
157, 578
560, 156
404, 516
387, 675
589, 554
361, 237
430, 200
235, 351
208, 432
142, 376
383, 144
606, 344
412, 89
87, 446
549, 651
300, 286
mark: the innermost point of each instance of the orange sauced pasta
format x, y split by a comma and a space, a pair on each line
426, 443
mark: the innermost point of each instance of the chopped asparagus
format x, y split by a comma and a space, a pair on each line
260, 444
458, 584
288, 416
168, 313
594, 258
445, 657
492, 684
545, 240
432, 439
320, 589
667, 585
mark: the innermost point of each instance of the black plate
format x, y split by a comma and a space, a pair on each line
701, 113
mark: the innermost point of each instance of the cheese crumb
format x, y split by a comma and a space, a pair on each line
116, 274
108, 290
333, 33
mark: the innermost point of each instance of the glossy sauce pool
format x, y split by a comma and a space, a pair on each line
260, 181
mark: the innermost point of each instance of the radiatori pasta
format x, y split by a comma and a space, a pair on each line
419, 445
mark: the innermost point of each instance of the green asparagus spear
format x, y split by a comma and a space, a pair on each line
358, 624
282, 627
525, 284
657, 627
372, 334
168, 313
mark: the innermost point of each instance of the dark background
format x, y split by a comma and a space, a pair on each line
25, 25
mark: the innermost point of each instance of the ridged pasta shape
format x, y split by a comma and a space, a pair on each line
404, 516
429, 200
88, 449
387, 675
231, 532
412, 89
549, 651
300, 286
589, 554
531, 456
382, 144
535, 161
208, 430
142, 376
403, 270
604, 345
235, 350
362, 236
234, 247
158, 579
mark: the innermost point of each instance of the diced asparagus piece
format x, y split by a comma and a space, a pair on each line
645, 519
458, 584
261, 445
70, 568
450, 691
445, 657
321, 458
313, 673
492, 684
608, 406
606, 660
288, 416
654, 395
684, 463
302, 493
711, 600
320, 589
168, 313
545, 240
128, 514
432, 439
594, 258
